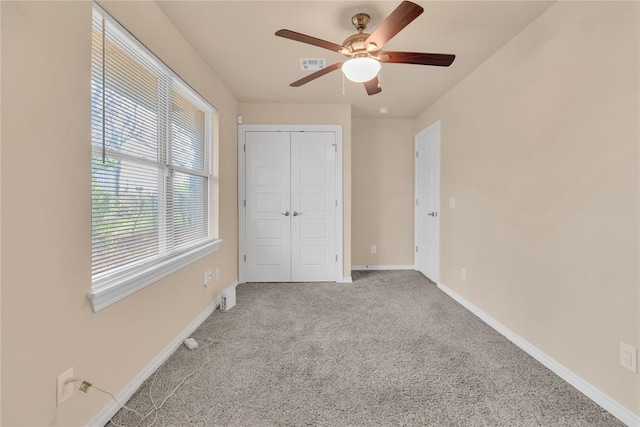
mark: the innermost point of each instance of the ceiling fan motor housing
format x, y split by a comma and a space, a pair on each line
356, 43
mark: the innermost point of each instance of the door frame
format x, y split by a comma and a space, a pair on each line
242, 129
431, 128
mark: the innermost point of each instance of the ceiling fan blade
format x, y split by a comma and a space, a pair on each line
373, 86
303, 38
396, 21
438, 59
317, 74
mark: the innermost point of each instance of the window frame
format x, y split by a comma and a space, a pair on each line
112, 285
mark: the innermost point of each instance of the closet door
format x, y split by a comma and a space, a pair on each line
313, 204
268, 210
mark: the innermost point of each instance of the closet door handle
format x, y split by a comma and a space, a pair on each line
296, 213
285, 213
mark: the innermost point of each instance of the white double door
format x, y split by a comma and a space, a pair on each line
290, 206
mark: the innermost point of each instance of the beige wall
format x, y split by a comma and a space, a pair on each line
540, 148
382, 168
539, 145
0, 228
47, 322
332, 114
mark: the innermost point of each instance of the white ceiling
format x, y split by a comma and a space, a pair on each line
237, 39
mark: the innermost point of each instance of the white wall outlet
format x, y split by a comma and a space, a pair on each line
628, 357
374, 249
452, 202
217, 273
206, 277
463, 273
64, 390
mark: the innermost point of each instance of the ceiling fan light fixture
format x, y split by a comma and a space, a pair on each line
361, 69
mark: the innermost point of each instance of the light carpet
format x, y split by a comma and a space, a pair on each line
388, 349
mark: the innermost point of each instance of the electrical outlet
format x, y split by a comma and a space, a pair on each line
374, 249
463, 273
452, 202
64, 390
206, 277
628, 357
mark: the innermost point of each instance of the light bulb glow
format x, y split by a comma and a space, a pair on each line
361, 70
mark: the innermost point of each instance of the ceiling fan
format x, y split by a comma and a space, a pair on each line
364, 52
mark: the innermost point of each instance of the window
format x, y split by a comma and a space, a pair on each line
151, 169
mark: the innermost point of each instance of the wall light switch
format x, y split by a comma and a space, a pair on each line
452, 202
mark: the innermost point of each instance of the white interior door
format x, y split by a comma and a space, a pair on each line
291, 206
313, 204
268, 210
427, 215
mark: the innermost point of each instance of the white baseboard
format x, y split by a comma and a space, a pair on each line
593, 393
383, 267
112, 407
346, 279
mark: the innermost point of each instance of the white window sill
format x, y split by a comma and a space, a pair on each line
111, 290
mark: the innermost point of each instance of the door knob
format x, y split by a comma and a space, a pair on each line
285, 213
433, 214
296, 213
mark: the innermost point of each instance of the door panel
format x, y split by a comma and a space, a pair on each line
313, 201
428, 201
268, 196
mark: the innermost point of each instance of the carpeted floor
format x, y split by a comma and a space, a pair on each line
389, 349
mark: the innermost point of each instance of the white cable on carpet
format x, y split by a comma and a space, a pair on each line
156, 408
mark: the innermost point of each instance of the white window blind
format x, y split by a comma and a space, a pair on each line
151, 169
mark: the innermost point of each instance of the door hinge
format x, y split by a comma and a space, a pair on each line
416, 250
244, 148
245, 258
244, 203
335, 147
417, 153
336, 257
417, 202
336, 203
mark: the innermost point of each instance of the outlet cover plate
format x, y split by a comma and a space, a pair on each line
64, 391
628, 357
